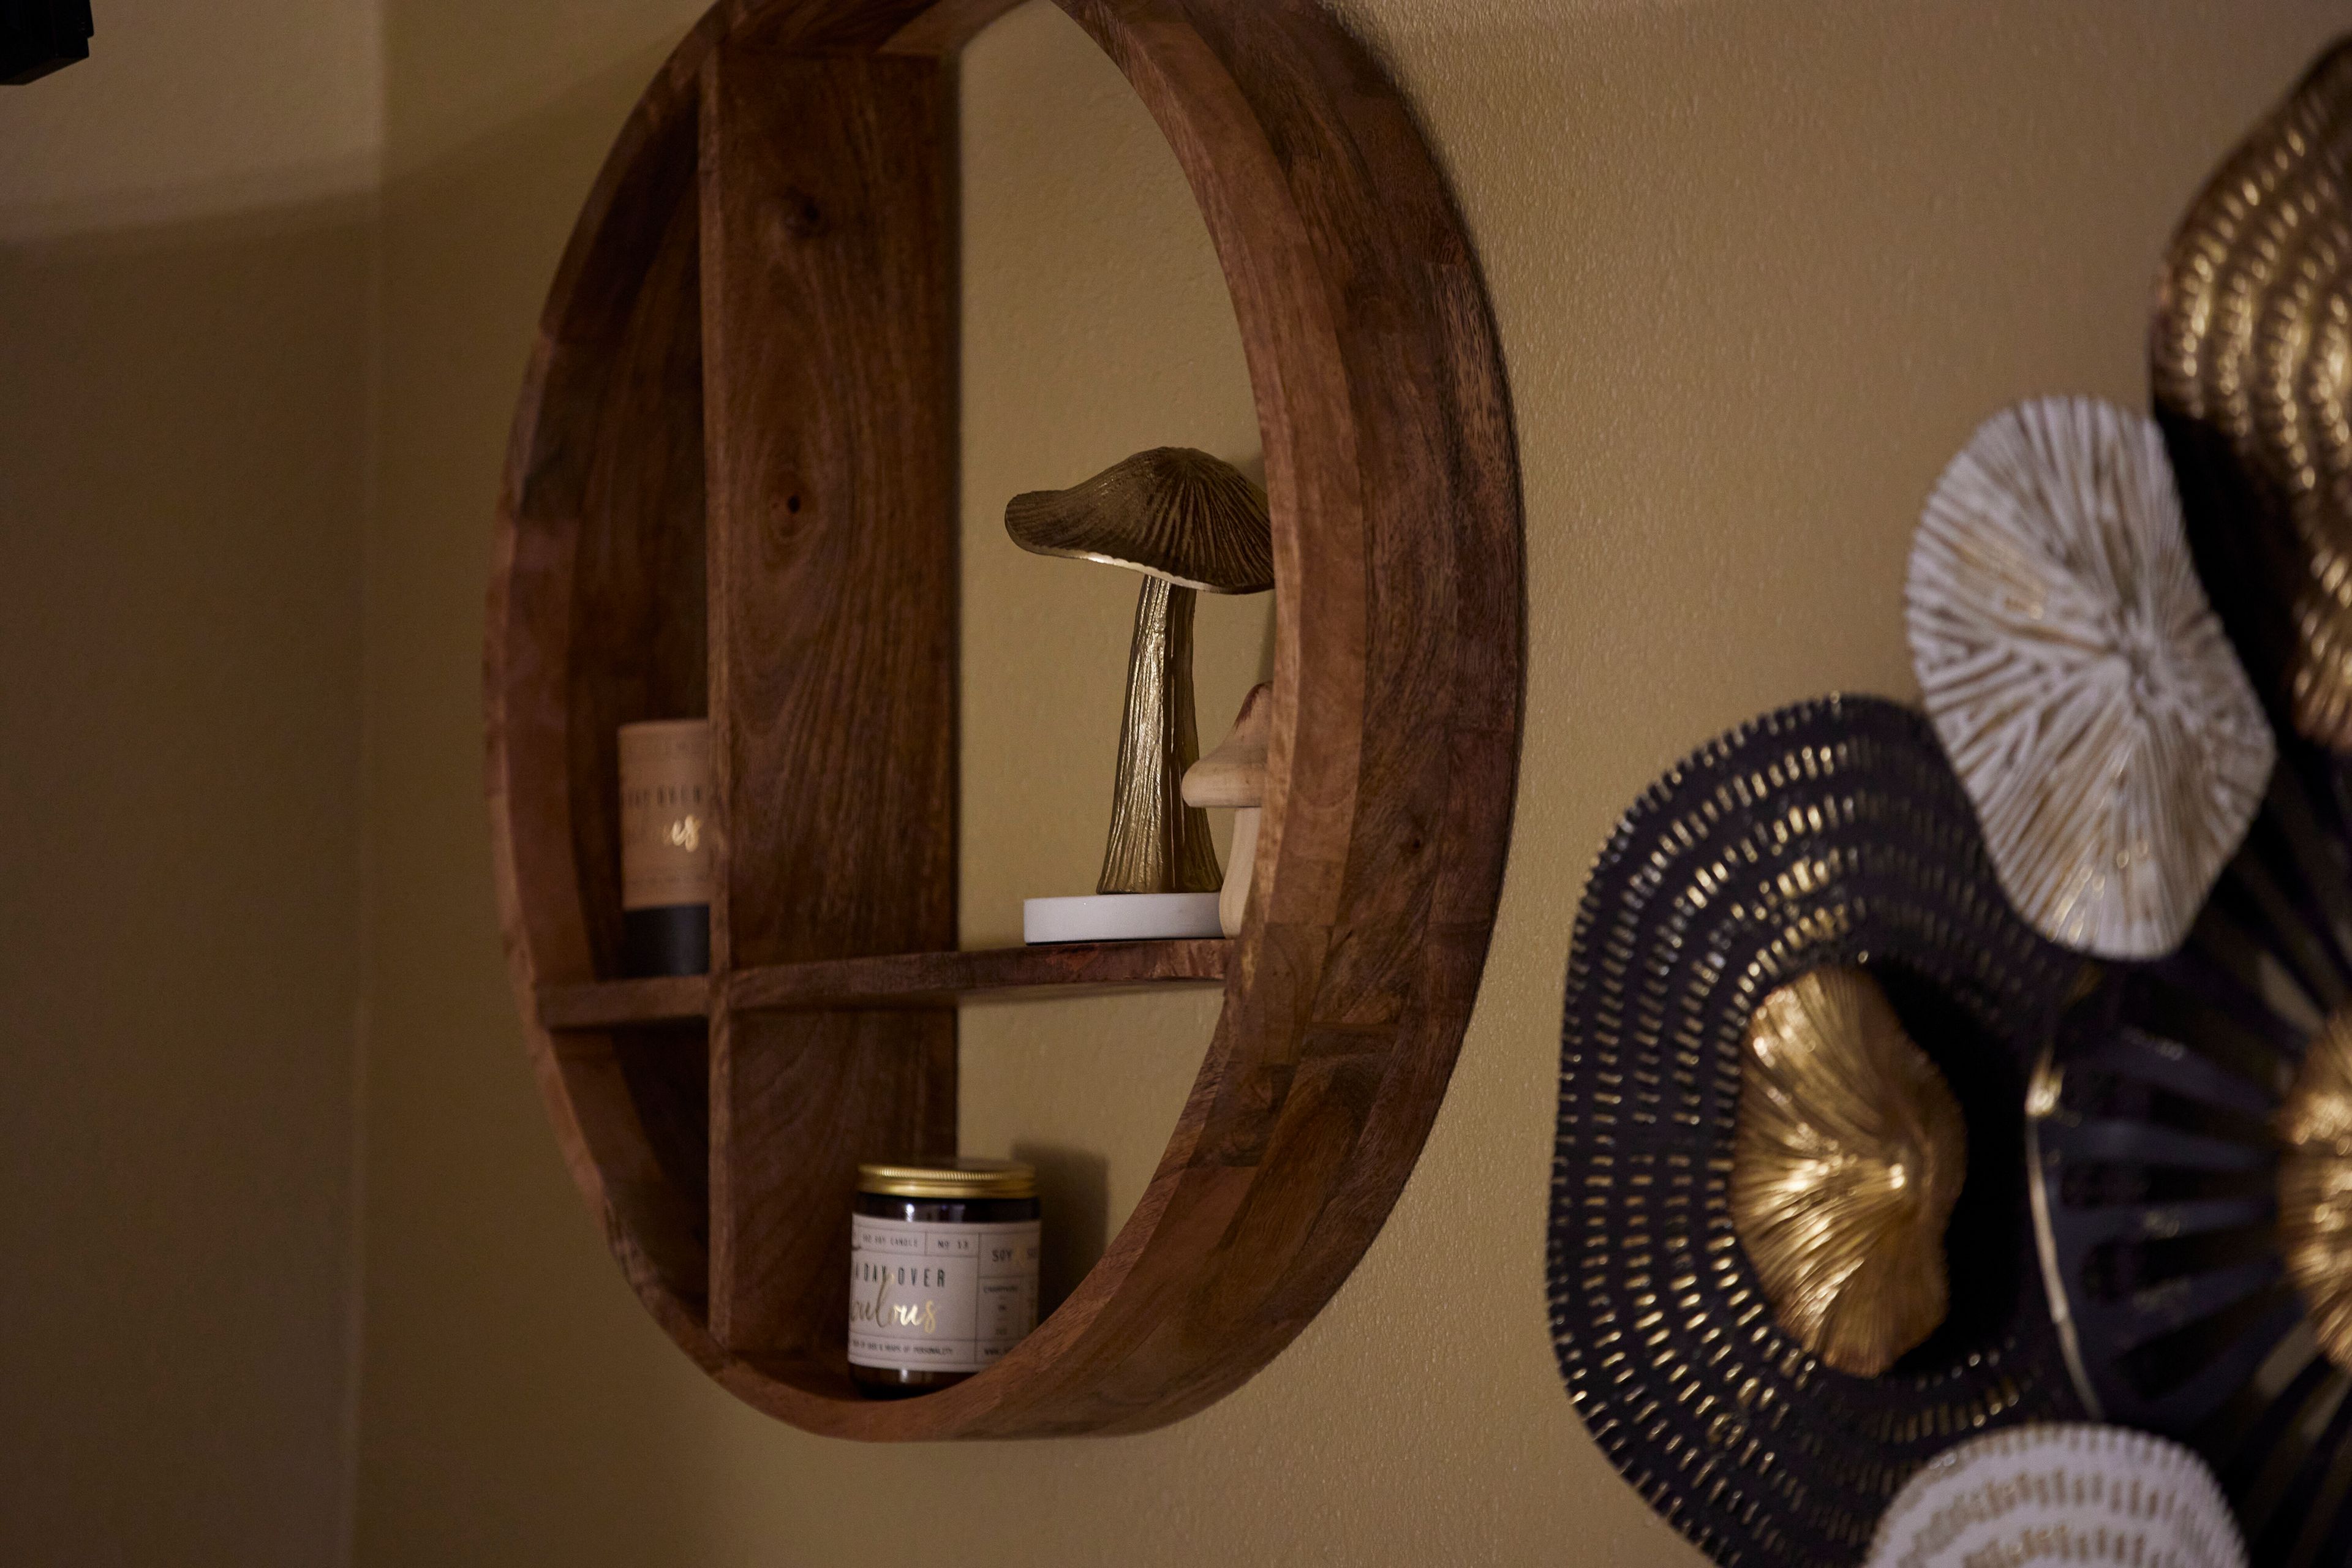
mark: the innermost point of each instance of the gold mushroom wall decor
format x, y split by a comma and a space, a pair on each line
1753, 1312
1846, 1161
2251, 354
2315, 1186
2188, 1125
1190, 523
2087, 693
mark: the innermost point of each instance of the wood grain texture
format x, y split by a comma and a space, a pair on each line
607, 345
1393, 484
617, 1004
829, 332
903, 980
828, 236
943, 979
639, 577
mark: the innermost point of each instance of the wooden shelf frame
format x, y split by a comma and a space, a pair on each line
731, 489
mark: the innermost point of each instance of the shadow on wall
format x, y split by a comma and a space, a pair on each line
1074, 1189
518, 1405
183, 415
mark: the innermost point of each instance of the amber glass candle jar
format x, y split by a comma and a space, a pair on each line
943, 1271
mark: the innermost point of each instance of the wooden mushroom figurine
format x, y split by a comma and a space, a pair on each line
1235, 775
1188, 523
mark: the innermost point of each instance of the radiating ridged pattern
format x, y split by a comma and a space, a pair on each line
1848, 1157
2158, 1170
2252, 357
2315, 1186
2112, 747
1173, 512
1833, 833
2066, 1492
1158, 844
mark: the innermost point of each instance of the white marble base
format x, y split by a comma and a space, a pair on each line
1120, 917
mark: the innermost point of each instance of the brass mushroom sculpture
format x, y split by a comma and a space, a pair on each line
1848, 1152
1188, 523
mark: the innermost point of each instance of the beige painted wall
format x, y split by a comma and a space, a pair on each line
1760, 266
186, 111
183, 293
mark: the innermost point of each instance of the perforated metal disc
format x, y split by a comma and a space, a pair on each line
1832, 832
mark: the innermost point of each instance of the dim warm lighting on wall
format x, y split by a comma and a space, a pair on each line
37, 36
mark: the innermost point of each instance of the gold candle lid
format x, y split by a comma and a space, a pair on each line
948, 1179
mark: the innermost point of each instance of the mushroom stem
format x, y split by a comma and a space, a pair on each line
1158, 844
1235, 775
1232, 903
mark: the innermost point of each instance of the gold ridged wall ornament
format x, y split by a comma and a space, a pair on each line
2112, 747
2252, 360
1847, 1157
2315, 1186
1187, 522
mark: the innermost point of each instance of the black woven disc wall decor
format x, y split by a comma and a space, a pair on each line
2158, 1177
1831, 832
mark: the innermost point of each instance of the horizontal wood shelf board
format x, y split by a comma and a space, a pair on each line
940, 979
893, 980
617, 1004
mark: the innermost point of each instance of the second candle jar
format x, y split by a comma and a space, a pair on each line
943, 1271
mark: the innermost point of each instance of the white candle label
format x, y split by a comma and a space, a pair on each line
664, 814
940, 1297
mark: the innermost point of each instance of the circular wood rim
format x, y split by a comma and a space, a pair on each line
1393, 477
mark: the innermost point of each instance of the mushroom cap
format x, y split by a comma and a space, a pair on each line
2253, 315
1235, 774
2315, 1186
2075, 1490
1848, 1153
2079, 680
1170, 512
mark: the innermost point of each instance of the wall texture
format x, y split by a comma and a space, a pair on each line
189, 111
184, 246
1760, 266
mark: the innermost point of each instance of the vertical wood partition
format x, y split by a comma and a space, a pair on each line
738, 433
828, 246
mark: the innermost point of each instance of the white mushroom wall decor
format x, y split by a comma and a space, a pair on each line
2061, 1491
2081, 684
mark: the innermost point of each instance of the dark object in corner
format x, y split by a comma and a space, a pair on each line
37, 36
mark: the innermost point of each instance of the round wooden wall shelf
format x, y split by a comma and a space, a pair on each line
732, 490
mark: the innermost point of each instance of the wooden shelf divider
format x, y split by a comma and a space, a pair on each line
827, 191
